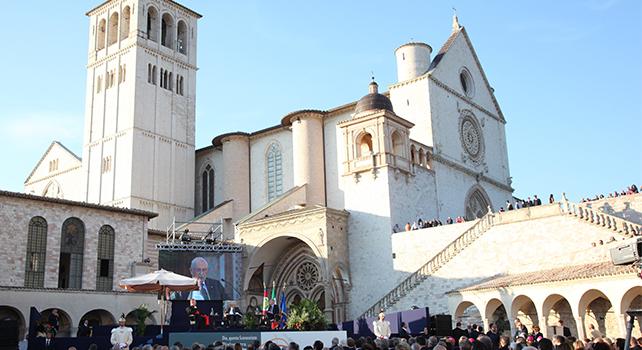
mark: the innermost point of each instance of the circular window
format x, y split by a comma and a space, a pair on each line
307, 276
471, 137
466, 81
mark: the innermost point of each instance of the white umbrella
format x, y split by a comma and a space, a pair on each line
160, 281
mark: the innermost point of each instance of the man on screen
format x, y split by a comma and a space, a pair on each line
210, 289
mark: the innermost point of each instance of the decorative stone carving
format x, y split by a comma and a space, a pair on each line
471, 137
307, 276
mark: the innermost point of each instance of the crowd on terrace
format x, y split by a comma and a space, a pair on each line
633, 189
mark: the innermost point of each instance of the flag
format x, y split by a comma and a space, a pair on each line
266, 303
273, 297
282, 305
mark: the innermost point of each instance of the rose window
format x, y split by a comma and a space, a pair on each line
307, 276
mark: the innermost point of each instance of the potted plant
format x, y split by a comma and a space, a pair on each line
306, 316
141, 314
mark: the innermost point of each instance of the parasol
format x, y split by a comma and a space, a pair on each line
160, 281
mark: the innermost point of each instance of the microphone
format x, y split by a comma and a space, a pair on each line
232, 286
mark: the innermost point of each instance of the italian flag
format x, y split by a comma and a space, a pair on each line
266, 303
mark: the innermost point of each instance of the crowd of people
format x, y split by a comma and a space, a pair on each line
421, 223
633, 189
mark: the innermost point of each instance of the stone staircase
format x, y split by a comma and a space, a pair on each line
434, 264
600, 218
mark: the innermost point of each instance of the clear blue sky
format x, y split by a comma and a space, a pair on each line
567, 74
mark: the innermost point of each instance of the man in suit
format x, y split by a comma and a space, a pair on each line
273, 310
233, 314
210, 289
49, 341
565, 330
458, 332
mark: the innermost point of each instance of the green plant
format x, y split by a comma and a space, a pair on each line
250, 321
141, 314
306, 316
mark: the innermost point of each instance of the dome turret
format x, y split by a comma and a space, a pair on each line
373, 100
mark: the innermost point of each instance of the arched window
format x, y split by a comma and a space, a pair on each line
72, 244
124, 23
364, 144
207, 189
477, 203
274, 171
422, 159
170, 82
152, 24
113, 28
154, 75
181, 41
100, 37
397, 144
105, 260
36, 253
413, 157
167, 30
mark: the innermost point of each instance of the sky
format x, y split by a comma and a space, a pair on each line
567, 75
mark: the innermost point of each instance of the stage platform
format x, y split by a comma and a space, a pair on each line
281, 338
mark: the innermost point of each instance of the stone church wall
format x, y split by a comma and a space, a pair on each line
15, 213
522, 246
258, 153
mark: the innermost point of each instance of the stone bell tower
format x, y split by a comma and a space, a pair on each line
138, 147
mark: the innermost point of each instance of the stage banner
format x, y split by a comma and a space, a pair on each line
284, 338
227, 338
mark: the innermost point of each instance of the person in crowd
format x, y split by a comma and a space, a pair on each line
414, 226
501, 209
536, 201
545, 344
121, 336
579, 345
84, 330
408, 227
520, 329
594, 333
551, 199
49, 341
273, 310
381, 327
458, 332
536, 333
493, 334
509, 206
519, 204
396, 228
504, 343
565, 330
54, 322
404, 332
449, 220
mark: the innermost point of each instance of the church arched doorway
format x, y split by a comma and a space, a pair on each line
477, 203
292, 266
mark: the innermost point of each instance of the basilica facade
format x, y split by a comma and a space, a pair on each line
313, 199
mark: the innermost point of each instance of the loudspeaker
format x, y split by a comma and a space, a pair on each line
440, 325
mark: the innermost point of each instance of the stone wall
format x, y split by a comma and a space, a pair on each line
510, 248
15, 213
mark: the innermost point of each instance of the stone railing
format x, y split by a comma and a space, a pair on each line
600, 218
434, 264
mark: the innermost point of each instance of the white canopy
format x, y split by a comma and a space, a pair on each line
158, 281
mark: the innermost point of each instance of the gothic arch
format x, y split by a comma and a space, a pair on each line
271, 248
477, 203
273, 170
53, 190
167, 30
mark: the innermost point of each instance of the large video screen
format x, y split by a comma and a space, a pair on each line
218, 274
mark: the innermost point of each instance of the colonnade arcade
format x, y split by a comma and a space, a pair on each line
600, 301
